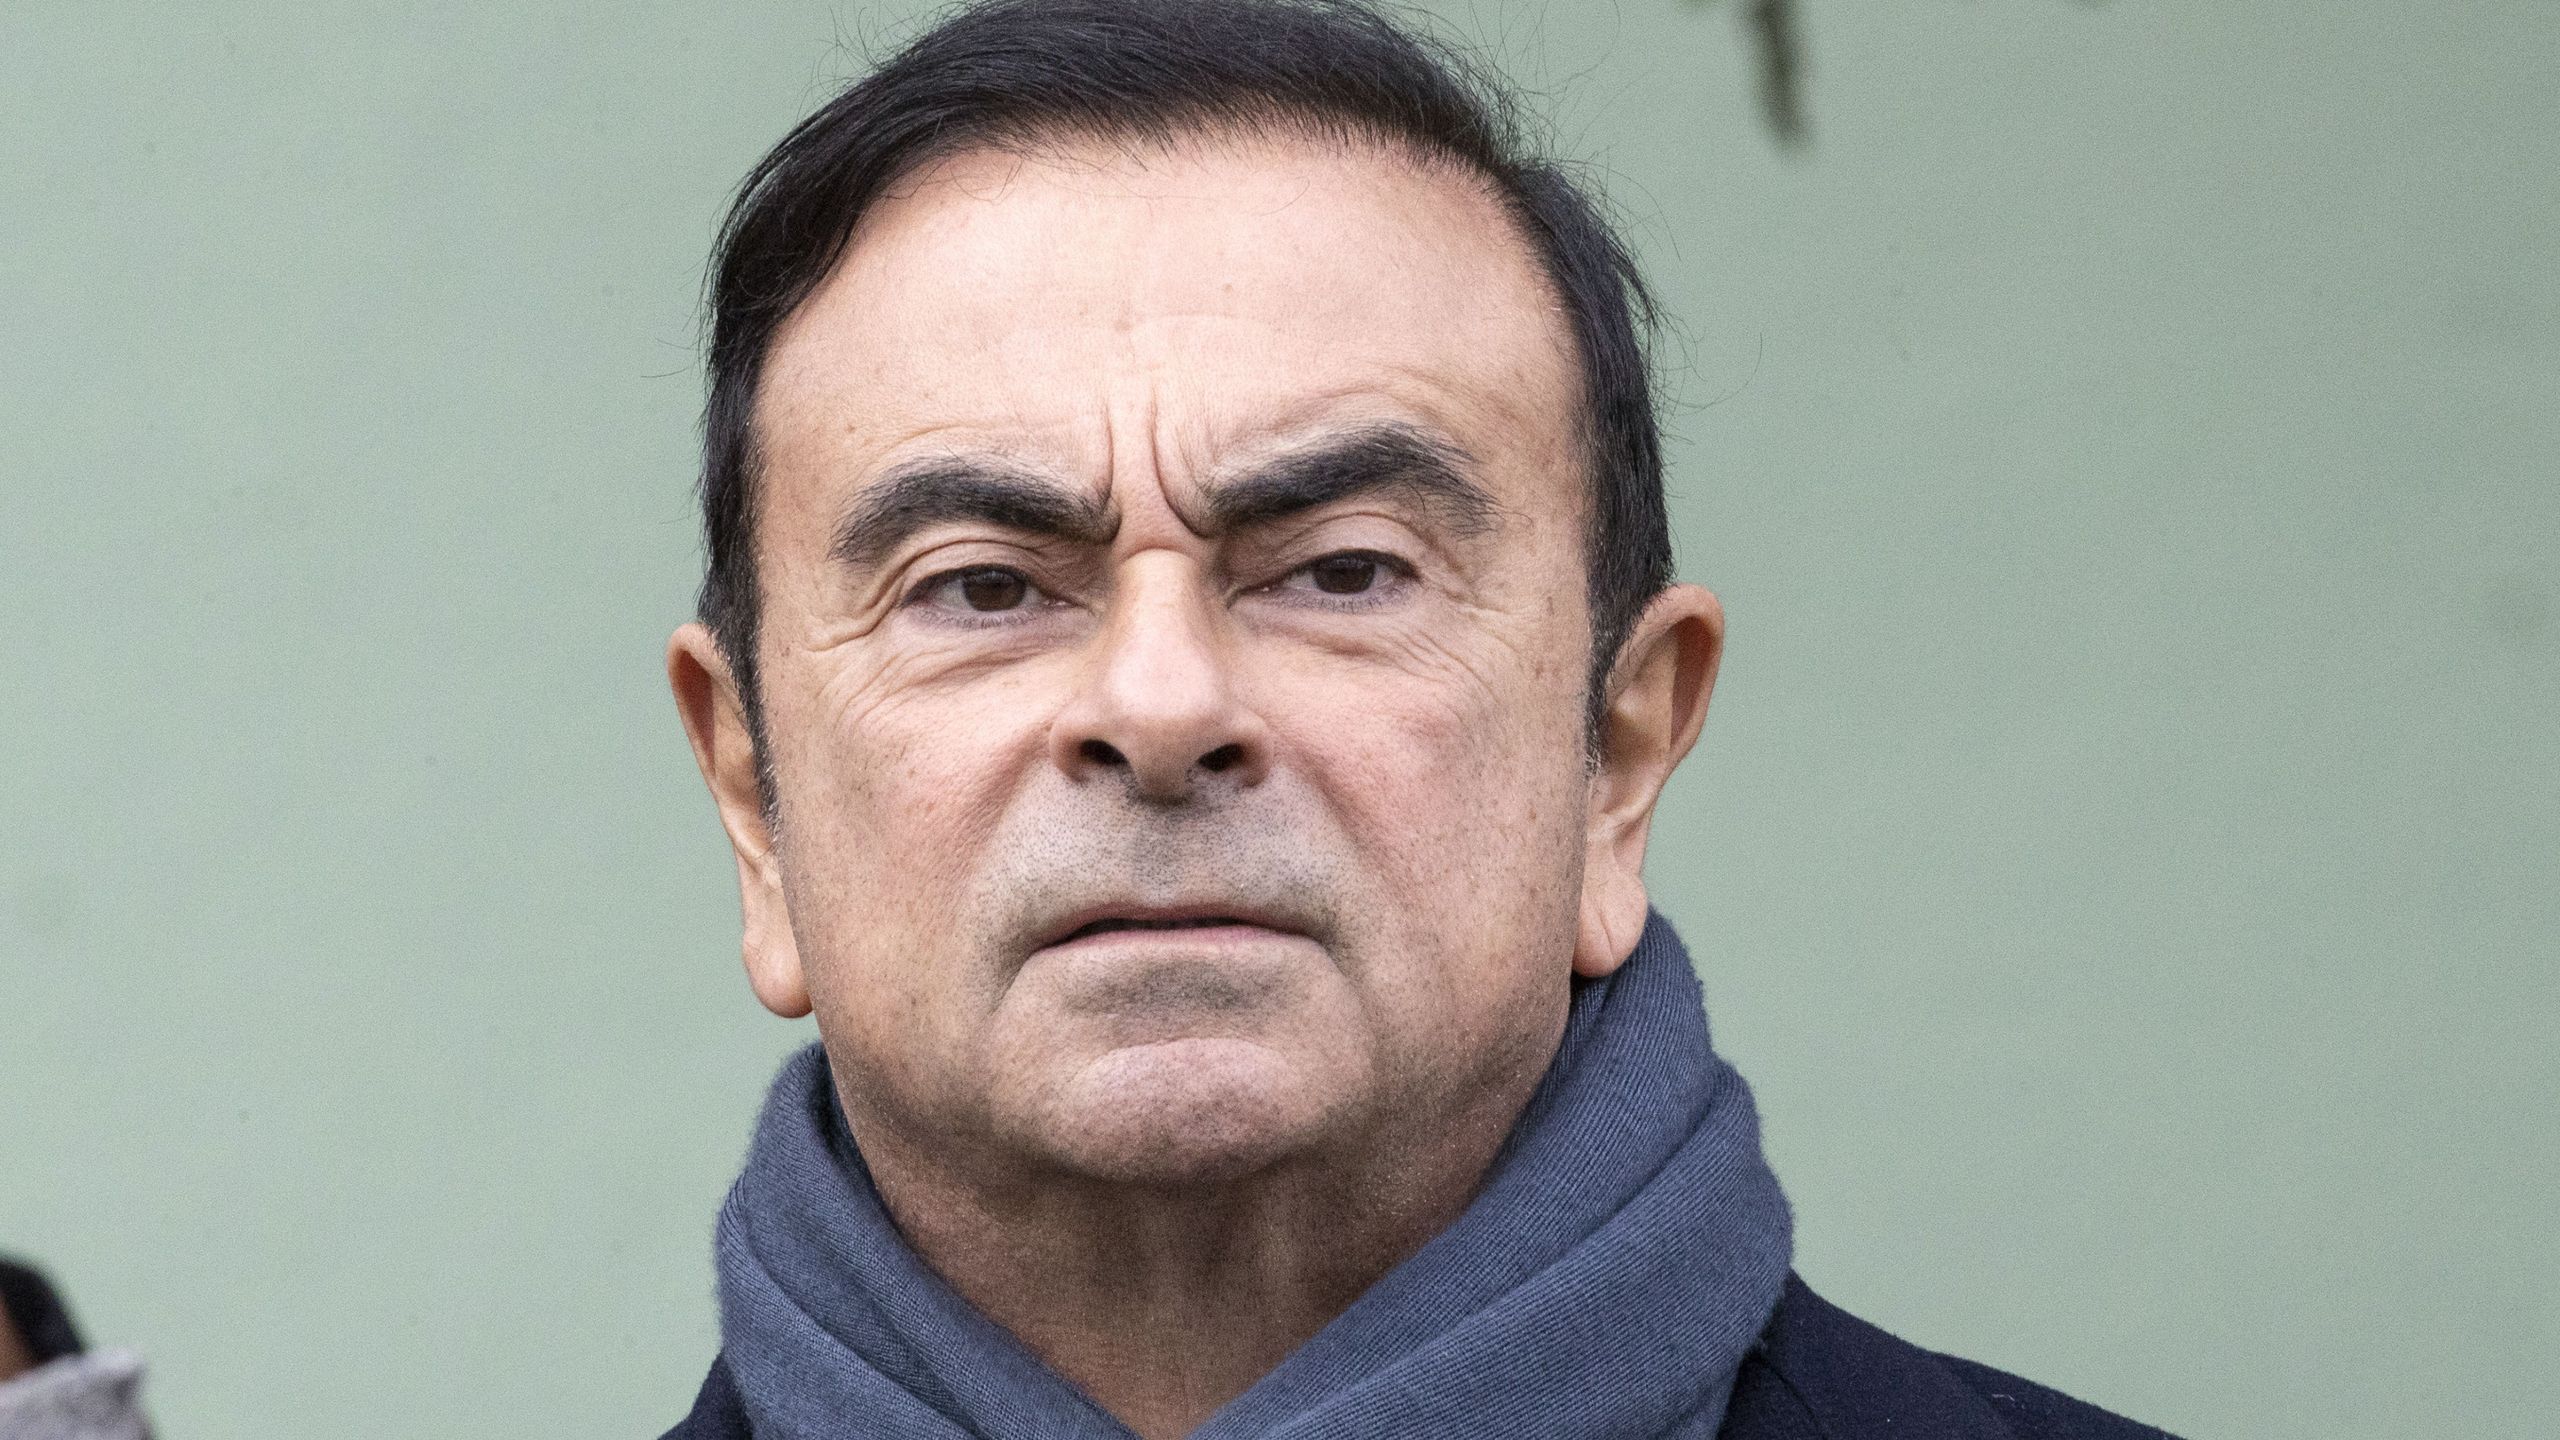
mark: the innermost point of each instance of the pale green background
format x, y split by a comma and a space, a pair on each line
2122, 855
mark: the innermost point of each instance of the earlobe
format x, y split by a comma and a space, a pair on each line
1657, 704
724, 749
1612, 919
771, 952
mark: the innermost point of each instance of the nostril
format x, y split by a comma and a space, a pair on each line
1222, 757
1099, 752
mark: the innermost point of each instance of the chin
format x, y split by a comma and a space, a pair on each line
1185, 1113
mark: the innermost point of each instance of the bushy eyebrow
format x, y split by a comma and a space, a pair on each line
1393, 460
916, 497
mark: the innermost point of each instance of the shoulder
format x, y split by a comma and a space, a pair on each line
1820, 1373
2033, 1412
717, 1413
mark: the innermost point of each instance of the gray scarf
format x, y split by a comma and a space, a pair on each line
1623, 1254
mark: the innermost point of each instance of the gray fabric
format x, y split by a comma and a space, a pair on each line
95, 1396
1623, 1255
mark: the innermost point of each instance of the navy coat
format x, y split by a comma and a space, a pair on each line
1818, 1373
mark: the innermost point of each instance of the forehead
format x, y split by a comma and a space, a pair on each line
1201, 300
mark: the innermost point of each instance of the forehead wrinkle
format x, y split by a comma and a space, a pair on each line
1523, 388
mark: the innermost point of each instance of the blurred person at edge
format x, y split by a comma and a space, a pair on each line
1188, 657
52, 1385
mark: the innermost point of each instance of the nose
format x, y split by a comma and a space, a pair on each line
1158, 704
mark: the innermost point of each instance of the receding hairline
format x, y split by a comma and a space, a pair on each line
1270, 127
1011, 72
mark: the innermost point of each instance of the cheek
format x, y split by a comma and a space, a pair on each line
891, 794
1477, 713
1458, 776
914, 764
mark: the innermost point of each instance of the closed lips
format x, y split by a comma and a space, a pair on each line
1106, 926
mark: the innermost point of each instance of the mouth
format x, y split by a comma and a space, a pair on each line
1123, 920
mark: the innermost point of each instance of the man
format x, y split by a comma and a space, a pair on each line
1186, 668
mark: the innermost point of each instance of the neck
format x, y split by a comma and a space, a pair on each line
1164, 1303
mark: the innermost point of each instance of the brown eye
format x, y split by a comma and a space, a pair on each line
1344, 574
993, 589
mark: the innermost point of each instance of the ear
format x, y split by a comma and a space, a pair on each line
716, 722
1657, 701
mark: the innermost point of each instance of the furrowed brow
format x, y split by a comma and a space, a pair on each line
1398, 461
891, 510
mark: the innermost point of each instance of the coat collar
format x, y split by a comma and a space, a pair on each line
1821, 1371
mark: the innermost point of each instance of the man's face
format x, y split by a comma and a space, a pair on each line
1172, 652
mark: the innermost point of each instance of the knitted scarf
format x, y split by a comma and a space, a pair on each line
1623, 1254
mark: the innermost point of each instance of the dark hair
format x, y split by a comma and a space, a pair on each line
1012, 73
